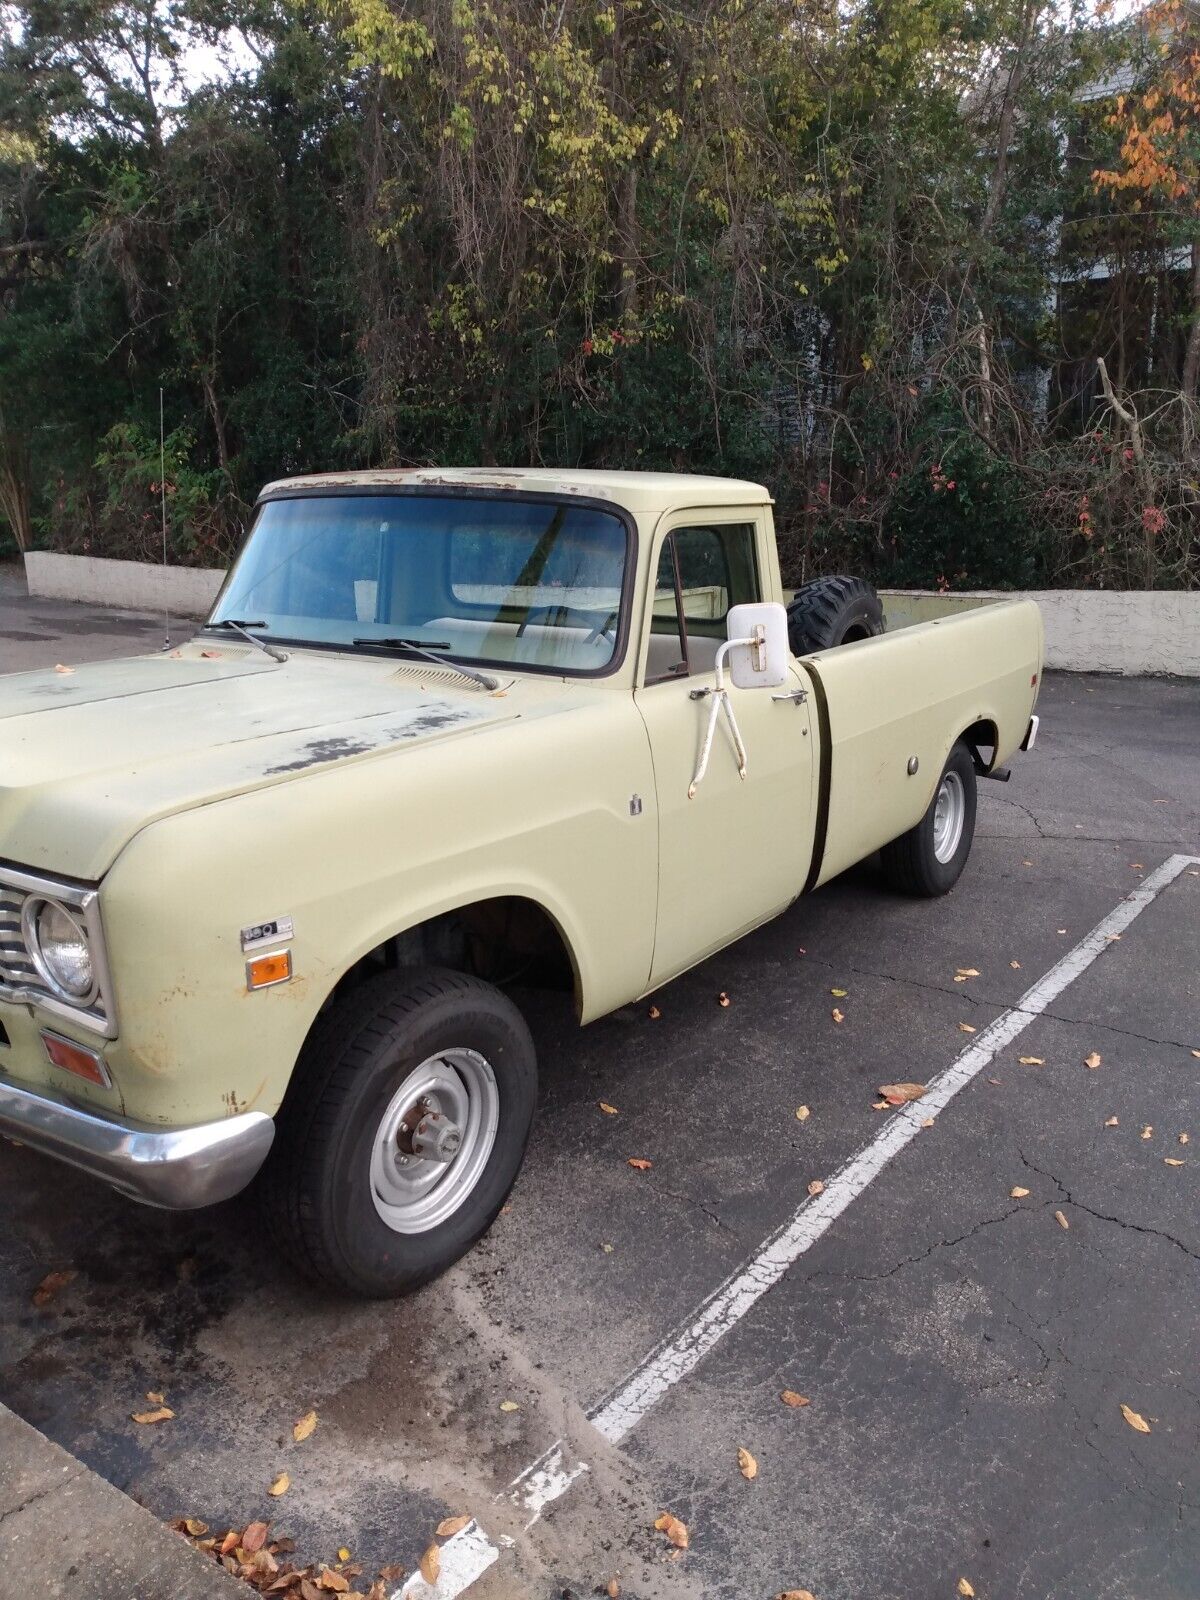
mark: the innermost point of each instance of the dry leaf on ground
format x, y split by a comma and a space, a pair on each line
1147, 1132
654, 1013
154, 1397
159, 1414
509, 1405
838, 1016
303, 1429
802, 1113
839, 994
1018, 1193
1172, 1161
343, 1554
965, 1588
447, 1528
795, 1594
607, 1248
430, 1565
1061, 1220
816, 1187
967, 972
722, 998
280, 1485
254, 1537
791, 1398
1015, 965
1134, 1419
675, 1530
50, 1285
640, 1163
899, 1094
333, 1582
1111, 1122
747, 1465
1183, 1138
609, 1111
60, 668
612, 1589
965, 1027
1093, 1060
1032, 1061
927, 1122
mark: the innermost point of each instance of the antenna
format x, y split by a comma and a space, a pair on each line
162, 495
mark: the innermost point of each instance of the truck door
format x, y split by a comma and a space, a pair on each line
739, 850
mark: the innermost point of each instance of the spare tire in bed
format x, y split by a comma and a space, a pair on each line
833, 611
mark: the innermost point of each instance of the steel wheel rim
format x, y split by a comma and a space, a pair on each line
949, 815
413, 1194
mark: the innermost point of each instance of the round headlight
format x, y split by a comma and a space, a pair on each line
60, 948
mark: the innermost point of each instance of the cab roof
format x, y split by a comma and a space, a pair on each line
638, 492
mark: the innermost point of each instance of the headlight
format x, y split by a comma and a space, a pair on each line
59, 947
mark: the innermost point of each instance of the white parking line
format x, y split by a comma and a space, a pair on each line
550, 1476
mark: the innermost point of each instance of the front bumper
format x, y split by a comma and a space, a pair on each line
179, 1168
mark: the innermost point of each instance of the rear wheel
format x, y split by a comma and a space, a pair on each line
833, 611
928, 859
402, 1132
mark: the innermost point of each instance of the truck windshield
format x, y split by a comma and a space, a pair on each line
491, 580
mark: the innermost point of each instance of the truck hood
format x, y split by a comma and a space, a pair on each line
90, 755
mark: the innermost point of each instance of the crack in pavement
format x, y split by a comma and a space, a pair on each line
912, 1261
692, 1200
44, 1493
1104, 1216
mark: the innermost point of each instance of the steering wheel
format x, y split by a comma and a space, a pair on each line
564, 613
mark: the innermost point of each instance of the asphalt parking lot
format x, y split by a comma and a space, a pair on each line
965, 1356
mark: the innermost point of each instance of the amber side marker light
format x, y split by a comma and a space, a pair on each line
76, 1058
263, 971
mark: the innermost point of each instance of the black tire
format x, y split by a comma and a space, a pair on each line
833, 611
910, 862
317, 1186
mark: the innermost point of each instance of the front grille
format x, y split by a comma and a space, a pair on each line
19, 977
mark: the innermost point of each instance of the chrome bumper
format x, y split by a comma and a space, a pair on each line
179, 1168
1031, 733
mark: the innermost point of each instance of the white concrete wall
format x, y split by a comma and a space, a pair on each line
134, 585
1134, 632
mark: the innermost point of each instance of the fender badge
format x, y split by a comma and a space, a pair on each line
267, 932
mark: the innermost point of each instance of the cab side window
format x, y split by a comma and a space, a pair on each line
702, 572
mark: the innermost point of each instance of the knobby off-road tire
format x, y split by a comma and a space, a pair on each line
347, 1199
833, 611
928, 859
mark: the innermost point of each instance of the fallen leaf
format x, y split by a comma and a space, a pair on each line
838, 1016
612, 1589
1027, 863
161, 1414
899, 1094
448, 1527
747, 1465
791, 1398
192, 1526
1111, 1122
640, 1163
928, 1122
816, 1187
722, 998
1093, 1061
801, 951
1061, 1220
1015, 965
879, 1105
967, 972
430, 1565
995, 1080
964, 1588
254, 1537
1172, 1161
343, 1554
1060, 930
154, 1397
229, 1542
1017, 1193
960, 979
965, 1027
1031, 1061
607, 1248
1134, 1419
303, 1429
1138, 866
1147, 1132
50, 1286
654, 1013
839, 994
1196, 1053
333, 1582
802, 1113
392, 1573
675, 1530
801, 1594
1183, 1138
60, 668
1112, 938
509, 1405
281, 1485
609, 1111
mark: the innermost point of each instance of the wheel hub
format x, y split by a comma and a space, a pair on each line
426, 1133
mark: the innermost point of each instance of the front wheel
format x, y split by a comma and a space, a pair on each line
402, 1132
928, 859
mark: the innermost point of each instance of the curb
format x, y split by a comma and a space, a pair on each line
65, 1532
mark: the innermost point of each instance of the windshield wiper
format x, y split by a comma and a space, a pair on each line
243, 627
426, 648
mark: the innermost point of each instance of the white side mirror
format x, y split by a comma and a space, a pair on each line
757, 649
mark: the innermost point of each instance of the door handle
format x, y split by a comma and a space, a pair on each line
797, 696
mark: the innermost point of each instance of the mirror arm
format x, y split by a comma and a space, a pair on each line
721, 702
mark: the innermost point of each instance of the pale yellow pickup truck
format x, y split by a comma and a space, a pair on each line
264, 898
